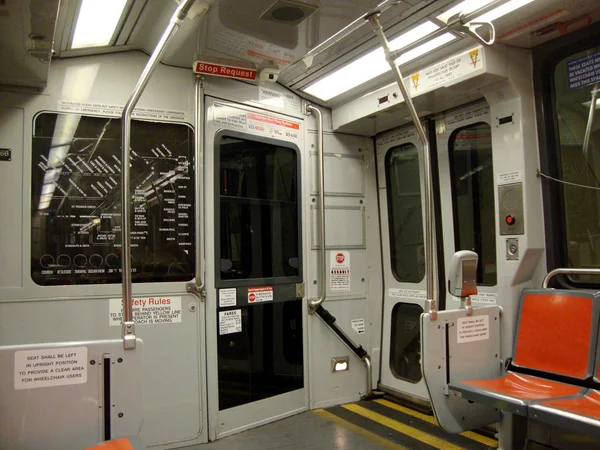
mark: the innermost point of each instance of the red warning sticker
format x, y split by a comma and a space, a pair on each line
260, 294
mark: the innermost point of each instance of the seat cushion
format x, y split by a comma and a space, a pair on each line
580, 412
514, 391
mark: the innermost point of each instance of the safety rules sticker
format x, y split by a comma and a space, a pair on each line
230, 321
339, 271
147, 310
50, 367
260, 294
471, 329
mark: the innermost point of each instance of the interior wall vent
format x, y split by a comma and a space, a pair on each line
288, 12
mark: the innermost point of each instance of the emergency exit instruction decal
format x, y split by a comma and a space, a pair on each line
147, 310
260, 294
50, 367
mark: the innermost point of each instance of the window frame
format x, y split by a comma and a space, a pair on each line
545, 59
454, 195
388, 155
219, 282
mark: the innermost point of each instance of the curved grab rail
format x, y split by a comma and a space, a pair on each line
128, 330
564, 271
314, 303
428, 219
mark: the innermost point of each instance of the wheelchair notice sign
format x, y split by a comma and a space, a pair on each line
473, 328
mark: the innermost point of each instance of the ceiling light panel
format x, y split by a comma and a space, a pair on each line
466, 7
502, 10
96, 22
370, 65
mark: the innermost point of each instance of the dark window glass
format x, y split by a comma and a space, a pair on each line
405, 213
76, 200
258, 189
576, 78
405, 348
472, 176
264, 359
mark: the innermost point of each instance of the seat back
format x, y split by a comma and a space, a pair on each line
557, 332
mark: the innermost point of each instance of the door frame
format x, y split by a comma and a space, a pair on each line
240, 418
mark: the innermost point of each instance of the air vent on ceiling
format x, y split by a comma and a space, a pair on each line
289, 12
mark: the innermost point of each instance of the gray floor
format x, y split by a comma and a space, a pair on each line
302, 431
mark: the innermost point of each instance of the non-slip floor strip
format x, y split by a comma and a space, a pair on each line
403, 427
369, 435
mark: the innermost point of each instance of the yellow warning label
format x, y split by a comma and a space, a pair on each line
415, 80
474, 54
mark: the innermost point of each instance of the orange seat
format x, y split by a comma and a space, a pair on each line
525, 387
557, 332
580, 412
117, 444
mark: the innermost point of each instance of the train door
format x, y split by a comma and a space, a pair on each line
255, 312
468, 212
400, 169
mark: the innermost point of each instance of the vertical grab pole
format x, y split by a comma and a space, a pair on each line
590, 122
197, 286
314, 303
128, 329
429, 238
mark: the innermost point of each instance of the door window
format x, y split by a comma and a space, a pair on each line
258, 199
474, 212
405, 213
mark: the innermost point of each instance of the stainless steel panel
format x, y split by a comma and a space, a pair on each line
510, 205
344, 227
469, 359
71, 416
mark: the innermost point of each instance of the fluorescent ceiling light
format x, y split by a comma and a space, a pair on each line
370, 65
502, 10
468, 6
97, 22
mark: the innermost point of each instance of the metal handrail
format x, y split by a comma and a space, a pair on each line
590, 122
128, 329
314, 303
564, 271
429, 237
198, 286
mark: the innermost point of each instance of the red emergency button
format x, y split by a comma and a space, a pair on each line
510, 220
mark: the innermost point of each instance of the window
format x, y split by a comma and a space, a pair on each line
577, 100
405, 346
259, 210
405, 213
472, 178
76, 200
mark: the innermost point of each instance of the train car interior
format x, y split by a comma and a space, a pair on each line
252, 224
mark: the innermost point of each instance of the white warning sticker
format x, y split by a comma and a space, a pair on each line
227, 297
50, 367
406, 293
260, 294
283, 99
147, 310
339, 271
358, 325
510, 177
488, 298
230, 321
470, 329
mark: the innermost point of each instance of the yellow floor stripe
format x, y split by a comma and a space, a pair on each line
402, 428
430, 419
376, 439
